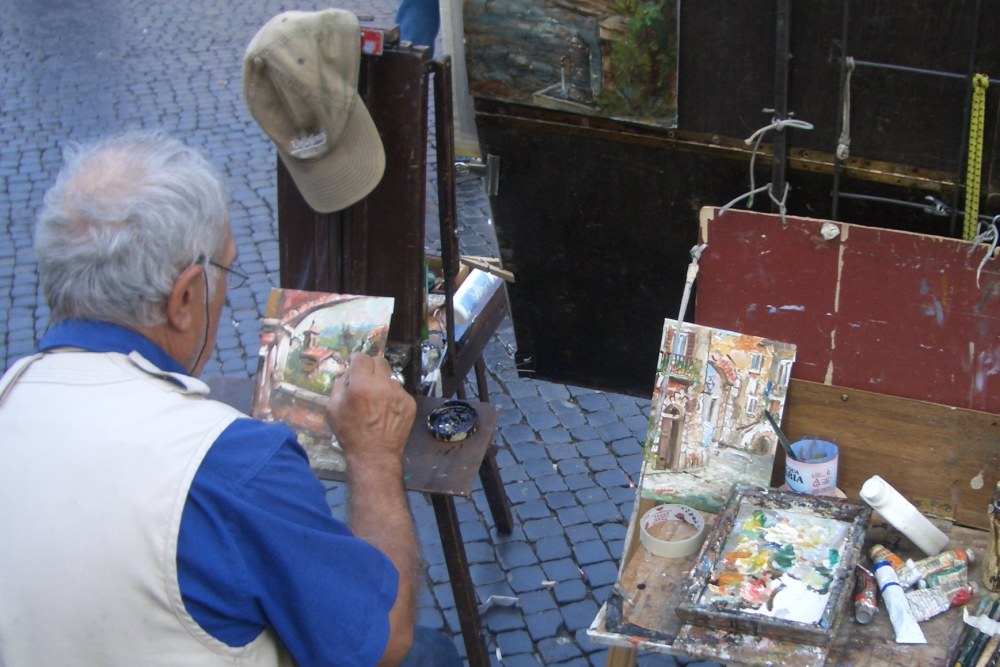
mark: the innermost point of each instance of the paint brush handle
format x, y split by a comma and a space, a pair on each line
978, 640
969, 634
989, 651
787, 446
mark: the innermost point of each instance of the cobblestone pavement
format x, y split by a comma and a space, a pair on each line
75, 70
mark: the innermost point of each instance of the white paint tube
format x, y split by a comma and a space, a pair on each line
905, 626
901, 513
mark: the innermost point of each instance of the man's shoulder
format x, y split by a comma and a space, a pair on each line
249, 447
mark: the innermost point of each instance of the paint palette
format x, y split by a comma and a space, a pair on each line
777, 564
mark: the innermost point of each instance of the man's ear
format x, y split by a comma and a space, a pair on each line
187, 298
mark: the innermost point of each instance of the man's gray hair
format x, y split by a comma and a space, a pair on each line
124, 218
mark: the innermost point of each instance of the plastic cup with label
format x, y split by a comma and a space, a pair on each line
814, 469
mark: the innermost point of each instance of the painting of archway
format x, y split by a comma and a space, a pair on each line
710, 430
306, 341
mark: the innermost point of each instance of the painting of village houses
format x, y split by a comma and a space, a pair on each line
707, 424
305, 341
610, 58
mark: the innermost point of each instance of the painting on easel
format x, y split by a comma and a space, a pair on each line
305, 341
707, 424
610, 58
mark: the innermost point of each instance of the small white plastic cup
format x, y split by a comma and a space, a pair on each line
815, 471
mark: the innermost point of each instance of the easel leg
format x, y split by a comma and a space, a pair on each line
619, 656
461, 583
496, 494
489, 472
484, 390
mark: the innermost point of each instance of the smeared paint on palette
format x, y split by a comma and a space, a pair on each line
777, 564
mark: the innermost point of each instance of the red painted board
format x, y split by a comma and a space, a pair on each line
872, 309
756, 275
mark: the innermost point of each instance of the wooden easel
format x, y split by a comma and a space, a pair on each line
376, 247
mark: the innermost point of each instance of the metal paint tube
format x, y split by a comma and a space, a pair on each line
917, 570
865, 602
881, 553
926, 603
905, 626
949, 579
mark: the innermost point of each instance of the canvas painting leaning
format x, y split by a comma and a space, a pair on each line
707, 424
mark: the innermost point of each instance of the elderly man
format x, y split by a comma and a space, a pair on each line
145, 524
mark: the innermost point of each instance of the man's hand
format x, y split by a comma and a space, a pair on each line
369, 412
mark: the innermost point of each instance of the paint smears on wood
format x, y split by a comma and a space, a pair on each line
991, 568
885, 311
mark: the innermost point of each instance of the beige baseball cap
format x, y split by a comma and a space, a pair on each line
300, 82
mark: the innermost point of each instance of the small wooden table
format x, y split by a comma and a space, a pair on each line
442, 470
654, 587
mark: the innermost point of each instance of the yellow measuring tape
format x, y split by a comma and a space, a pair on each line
973, 171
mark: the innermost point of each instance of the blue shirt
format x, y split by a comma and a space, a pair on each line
258, 546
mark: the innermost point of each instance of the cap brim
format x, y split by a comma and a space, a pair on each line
348, 173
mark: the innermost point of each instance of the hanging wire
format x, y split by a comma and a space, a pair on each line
755, 139
989, 234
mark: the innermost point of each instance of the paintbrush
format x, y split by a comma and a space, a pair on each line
969, 633
977, 640
989, 652
994, 659
781, 436
983, 637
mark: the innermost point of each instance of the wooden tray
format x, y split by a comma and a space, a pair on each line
764, 534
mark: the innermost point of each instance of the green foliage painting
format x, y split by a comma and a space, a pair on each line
611, 58
644, 62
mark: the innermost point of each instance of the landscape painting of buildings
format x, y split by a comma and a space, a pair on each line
306, 340
707, 425
610, 58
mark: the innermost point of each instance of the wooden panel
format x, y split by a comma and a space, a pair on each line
757, 275
916, 317
885, 311
451, 468
944, 460
598, 243
650, 623
903, 117
375, 247
623, 205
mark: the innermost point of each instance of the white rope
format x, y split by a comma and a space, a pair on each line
755, 139
778, 125
780, 203
844, 142
990, 236
745, 195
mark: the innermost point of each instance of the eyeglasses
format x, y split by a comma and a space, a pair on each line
235, 278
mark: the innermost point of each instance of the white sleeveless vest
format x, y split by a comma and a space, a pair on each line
97, 453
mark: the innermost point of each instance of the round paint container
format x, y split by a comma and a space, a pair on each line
814, 471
